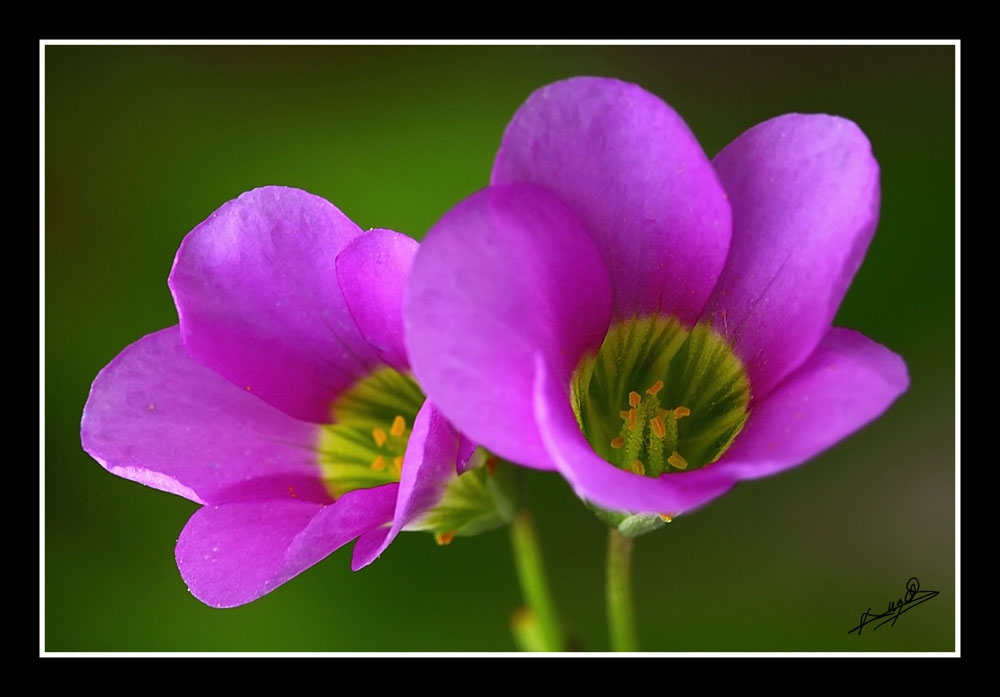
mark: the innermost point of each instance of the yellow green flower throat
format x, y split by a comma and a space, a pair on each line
365, 446
658, 398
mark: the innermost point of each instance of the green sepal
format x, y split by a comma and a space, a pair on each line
610, 518
479, 500
635, 525
628, 524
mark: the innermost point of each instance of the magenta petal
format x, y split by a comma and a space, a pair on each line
634, 175
157, 417
234, 553
805, 194
505, 274
428, 466
466, 448
600, 482
848, 381
372, 271
256, 289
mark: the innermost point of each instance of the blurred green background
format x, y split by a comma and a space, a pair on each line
142, 143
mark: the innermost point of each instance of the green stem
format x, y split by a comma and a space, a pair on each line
537, 628
621, 618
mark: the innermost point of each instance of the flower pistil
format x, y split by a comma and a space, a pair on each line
648, 432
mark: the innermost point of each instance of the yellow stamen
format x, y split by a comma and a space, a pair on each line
444, 538
634, 399
378, 464
681, 412
637, 467
657, 386
666, 517
659, 428
398, 462
398, 426
618, 442
631, 419
379, 435
623, 414
677, 461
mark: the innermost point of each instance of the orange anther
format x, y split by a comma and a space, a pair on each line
637, 467
634, 399
677, 461
378, 464
681, 412
398, 426
379, 435
659, 428
617, 442
657, 386
631, 419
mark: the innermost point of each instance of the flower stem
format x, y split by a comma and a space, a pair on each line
537, 626
621, 617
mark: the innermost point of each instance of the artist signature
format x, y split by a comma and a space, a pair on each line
913, 597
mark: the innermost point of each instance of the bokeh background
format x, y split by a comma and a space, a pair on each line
142, 143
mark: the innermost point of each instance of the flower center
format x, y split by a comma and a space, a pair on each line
658, 398
365, 445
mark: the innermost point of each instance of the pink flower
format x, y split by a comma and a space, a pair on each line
654, 326
282, 403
